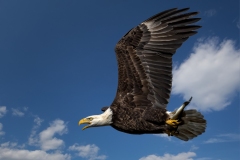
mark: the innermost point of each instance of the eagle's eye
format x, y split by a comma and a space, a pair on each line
90, 118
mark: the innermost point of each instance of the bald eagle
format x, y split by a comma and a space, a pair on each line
144, 56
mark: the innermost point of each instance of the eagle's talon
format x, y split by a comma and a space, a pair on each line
173, 123
172, 126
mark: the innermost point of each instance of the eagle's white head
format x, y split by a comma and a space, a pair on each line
103, 119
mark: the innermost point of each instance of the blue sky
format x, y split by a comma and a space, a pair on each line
58, 65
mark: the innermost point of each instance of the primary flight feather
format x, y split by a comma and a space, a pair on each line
144, 58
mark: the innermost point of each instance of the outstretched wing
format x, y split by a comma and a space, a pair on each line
144, 58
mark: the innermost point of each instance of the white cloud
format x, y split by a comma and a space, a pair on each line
163, 136
8, 151
210, 12
1, 132
183, 155
88, 151
210, 75
46, 138
33, 139
17, 112
230, 137
3, 111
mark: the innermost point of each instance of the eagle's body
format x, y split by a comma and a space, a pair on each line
139, 120
144, 58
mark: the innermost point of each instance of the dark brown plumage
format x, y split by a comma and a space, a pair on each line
144, 58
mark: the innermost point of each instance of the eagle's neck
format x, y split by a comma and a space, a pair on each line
107, 116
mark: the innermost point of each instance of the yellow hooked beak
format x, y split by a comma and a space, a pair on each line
84, 121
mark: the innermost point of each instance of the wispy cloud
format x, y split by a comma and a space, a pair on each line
238, 24
38, 121
214, 140
1, 131
163, 136
193, 148
204, 158
12, 145
210, 12
3, 111
88, 151
183, 155
230, 137
17, 112
25, 108
33, 139
211, 66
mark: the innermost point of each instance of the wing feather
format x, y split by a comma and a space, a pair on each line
144, 58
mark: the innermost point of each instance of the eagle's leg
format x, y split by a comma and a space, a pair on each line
171, 133
174, 119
